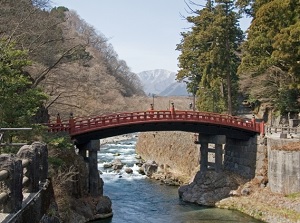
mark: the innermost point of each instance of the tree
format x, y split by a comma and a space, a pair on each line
209, 55
271, 53
70, 60
18, 101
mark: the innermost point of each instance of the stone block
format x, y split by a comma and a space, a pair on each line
294, 122
283, 135
261, 148
283, 169
94, 145
294, 184
236, 166
214, 139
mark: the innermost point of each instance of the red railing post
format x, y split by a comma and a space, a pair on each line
151, 107
254, 123
58, 120
151, 111
58, 123
172, 110
89, 123
262, 128
71, 123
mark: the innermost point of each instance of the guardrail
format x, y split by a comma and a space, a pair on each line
24, 172
78, 125
282, 129
9, 143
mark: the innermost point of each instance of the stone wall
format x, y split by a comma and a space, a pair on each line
284, 166
246, 158
176, 152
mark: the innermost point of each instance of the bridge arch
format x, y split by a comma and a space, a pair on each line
82, 130
87, 131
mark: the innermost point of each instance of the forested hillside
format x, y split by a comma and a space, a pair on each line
53, 61
223, 65
58, 63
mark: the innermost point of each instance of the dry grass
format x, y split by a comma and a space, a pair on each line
61, 184
65, 176
293, 146
265, 205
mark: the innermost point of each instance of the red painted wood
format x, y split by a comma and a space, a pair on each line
76, 126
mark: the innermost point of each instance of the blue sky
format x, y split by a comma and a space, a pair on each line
144, 33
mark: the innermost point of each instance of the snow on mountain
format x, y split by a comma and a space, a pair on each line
161, 82
175, 89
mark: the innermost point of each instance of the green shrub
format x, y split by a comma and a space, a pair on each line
57, 162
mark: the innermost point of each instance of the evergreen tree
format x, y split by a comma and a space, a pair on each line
18, 101
271, 53
209, 57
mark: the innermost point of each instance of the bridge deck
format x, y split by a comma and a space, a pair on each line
79, 126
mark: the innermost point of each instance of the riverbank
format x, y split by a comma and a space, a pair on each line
119, 138
262, 204
135, 197
256, 200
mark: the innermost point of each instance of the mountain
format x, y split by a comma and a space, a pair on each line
162, 82
175, 89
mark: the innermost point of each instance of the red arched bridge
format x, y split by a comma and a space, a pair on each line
85, 129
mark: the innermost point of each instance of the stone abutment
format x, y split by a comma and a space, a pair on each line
284, 165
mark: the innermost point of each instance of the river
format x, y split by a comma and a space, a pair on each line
135, 198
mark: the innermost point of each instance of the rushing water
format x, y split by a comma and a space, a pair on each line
136, 198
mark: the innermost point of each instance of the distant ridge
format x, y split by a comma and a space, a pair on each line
162, 82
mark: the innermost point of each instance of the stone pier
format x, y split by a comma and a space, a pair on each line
204, 140
246, 157
89, 152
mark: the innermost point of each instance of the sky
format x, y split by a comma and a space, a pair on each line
144, 33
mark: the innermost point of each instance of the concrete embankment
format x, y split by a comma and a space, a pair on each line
284, 165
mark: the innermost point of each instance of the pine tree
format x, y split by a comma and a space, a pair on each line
209, 58
270, 64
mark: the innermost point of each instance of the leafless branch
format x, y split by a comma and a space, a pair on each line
54, 100
67, 104
189, 3
48, 69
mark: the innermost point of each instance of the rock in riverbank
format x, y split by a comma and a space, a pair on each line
209, 187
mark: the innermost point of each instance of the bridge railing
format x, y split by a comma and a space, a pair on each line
22, 173
76, 125
282, 129
9, 142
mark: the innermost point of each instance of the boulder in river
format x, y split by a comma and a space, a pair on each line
141, 171
128, 170
107, 165
150, 167
117, 164
138, 156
